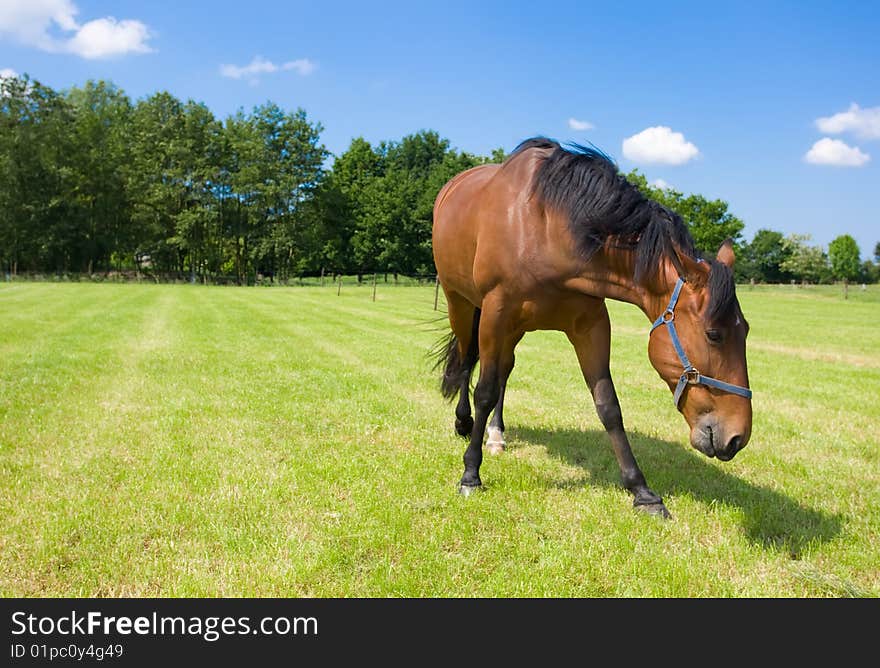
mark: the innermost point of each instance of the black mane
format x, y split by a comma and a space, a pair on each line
601, 204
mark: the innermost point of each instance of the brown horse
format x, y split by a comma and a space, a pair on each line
539, 242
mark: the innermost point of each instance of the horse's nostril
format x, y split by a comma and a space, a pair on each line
733, 445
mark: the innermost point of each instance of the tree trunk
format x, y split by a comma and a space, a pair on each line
845, 289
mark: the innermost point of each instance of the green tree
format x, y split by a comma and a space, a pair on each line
353, 243
196, 223
36, 190
806, 263
277, 166
409, 193
497, 156
89, 181
325, 242
390, 193
156, 179
709, 221
845, 260
870, 272
101, 123
763, 257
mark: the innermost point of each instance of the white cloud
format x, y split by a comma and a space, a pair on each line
107, 37
660, 183
260, 65
834, 152
659, 144
864, 123
38, 23
29, 21
580, 126
302, 66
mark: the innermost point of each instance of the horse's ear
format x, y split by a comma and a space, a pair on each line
696, 272
726, 254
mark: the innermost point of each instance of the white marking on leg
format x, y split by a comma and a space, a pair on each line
495, 441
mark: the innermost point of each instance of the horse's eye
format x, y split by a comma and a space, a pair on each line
713, 335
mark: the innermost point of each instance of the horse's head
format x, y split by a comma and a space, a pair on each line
707, 370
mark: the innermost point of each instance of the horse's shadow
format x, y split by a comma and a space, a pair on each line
770, 518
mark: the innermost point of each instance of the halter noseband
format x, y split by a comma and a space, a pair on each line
690, 376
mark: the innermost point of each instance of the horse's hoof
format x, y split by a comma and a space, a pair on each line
495, 447
655, 509
464, 426
467, 490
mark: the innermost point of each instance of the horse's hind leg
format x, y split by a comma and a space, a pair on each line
464, 318
592, 342
496, 343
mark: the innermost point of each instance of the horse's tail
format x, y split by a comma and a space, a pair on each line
455, 369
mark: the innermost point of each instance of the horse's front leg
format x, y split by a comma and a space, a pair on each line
495, 443
592, 343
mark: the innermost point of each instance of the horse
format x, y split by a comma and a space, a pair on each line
539, 242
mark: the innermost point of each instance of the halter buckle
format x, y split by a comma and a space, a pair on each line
671, 316
692, 376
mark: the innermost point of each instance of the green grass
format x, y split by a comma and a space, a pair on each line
198, 441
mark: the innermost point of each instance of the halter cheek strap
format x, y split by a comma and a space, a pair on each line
690, 376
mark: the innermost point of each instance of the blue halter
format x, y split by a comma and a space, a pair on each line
690, 376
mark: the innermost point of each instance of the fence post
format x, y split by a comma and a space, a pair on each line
339, 289
436, 290
374, 286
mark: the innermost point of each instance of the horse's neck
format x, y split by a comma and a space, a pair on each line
612, 276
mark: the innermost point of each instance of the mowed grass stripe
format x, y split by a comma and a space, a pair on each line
84, 396
68, 361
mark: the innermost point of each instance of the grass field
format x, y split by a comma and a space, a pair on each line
198, 441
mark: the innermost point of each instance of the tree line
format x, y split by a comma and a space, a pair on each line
93, 182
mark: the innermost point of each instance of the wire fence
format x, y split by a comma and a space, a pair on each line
366, 278
369, 282
340, 282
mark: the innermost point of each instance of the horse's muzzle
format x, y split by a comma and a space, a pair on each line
710, 438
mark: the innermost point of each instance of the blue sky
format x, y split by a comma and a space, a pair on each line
774, 107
